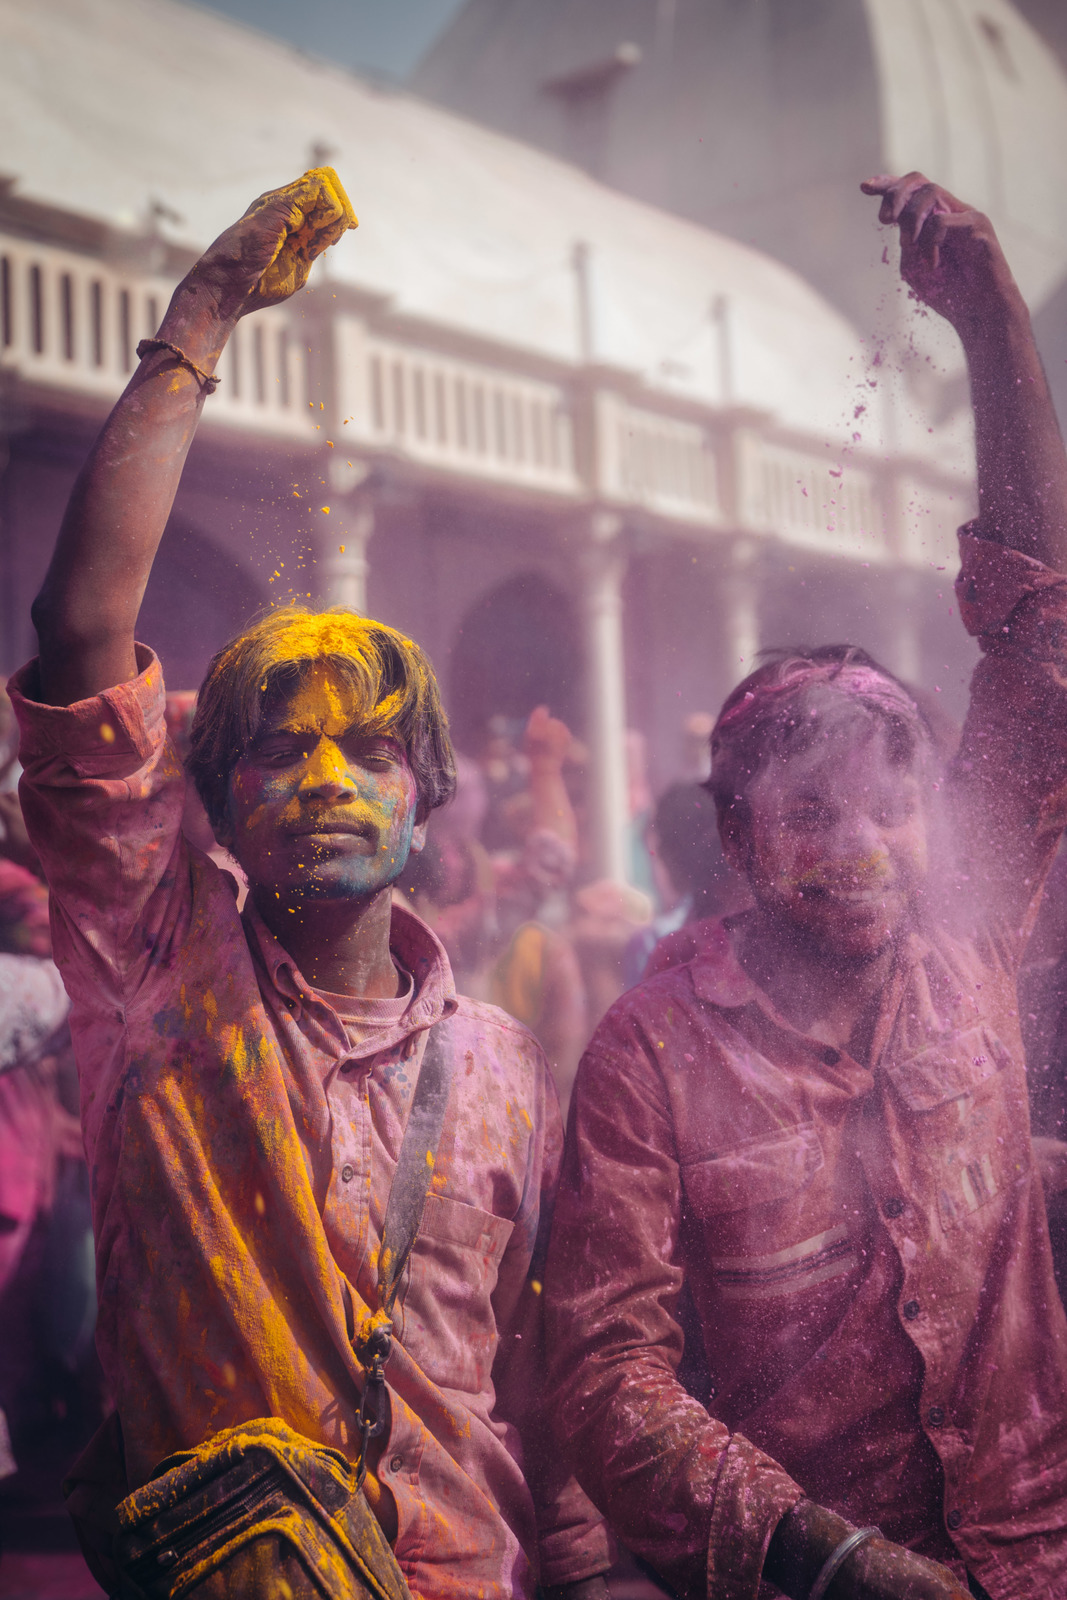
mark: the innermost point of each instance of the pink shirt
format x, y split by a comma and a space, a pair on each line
242, 1141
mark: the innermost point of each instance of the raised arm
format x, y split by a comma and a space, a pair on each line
87, 608
951, 258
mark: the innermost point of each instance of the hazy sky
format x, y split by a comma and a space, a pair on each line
384, 36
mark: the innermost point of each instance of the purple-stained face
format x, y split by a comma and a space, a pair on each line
836, 843
319, 808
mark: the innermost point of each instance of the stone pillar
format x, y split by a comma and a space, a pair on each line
906, 657
344, 567
739, 613
603, 569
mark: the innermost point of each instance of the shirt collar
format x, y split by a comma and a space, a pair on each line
413, 946
719, 978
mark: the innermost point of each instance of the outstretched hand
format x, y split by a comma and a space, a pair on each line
266, 256
949, 254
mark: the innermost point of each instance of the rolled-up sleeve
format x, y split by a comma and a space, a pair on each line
696, 1502
102, 793
1008, 782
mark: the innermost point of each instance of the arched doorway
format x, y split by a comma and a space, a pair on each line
197, 598
518, 647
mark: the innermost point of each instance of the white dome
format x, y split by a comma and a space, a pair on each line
970, 93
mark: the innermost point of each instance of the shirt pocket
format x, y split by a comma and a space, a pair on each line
454, 1222
957, 1064
449, 1326
968, 1144
751, 1201
758, 1172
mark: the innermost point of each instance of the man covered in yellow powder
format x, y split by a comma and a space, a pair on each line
248, 1081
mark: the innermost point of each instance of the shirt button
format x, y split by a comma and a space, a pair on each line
911, 1309
347, 1173
954, 1519
935, 1417
395, 1463
894, 1206
831, 1056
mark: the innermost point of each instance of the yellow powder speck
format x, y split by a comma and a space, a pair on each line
107, 733
260, 1204
229, 1374
341, 548
536, 1286
326, 511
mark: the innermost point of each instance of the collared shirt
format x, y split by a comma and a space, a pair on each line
242, 1141
864, 1243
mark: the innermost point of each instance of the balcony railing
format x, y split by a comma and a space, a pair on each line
72, 322
662, 463
458, 416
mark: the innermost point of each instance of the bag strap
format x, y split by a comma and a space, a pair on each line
403, 1215
415, 1164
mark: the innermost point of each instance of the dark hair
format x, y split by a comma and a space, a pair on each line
687, 838
391, 677
775, 712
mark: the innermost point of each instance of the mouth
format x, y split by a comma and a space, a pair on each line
872, 895
329, 828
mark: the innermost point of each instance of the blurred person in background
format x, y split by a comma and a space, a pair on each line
536, 976
694, 880
819, 1127
50, 1391
450, 882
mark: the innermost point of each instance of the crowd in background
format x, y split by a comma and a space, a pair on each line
505, 883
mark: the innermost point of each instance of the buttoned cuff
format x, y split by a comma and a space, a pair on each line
752, 1495
109, 735
993, 580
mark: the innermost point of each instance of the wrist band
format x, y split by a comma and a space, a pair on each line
838, 1558
207, 380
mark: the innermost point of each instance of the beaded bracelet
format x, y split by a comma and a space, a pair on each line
838, 1558
207, 380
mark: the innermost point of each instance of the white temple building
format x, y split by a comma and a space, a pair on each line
585, 450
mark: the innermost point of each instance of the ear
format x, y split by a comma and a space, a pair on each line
418, 838
736, 844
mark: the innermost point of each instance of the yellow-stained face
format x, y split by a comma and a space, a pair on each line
318, 807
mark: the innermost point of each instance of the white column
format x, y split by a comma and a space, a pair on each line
740, 613
603, 569
344, 565
906, 658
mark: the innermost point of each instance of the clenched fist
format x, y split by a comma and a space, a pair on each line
266, 256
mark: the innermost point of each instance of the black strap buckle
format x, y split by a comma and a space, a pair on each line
374, 1406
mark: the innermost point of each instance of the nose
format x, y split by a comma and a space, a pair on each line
326, 775
857, 844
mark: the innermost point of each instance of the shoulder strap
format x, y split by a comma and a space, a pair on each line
415, 1164
403, 1214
